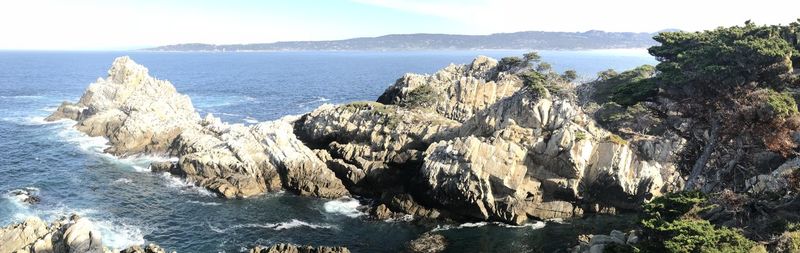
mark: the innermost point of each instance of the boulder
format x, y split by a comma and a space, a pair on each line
428, 243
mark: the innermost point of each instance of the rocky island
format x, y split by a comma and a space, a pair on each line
706, 157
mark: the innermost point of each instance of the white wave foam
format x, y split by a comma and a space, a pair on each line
118, 235
345, 206
185, 186
203, 203
315, 101
22, 97
294, 223
532, 225
250, 120
122, 181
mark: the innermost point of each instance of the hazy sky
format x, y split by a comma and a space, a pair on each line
132, 24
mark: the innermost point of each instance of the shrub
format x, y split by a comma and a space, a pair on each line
423, 95
617, 139
670, 226
508, 63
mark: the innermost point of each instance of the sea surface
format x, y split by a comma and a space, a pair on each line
131, 205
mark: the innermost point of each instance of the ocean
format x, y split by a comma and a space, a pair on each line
131, 205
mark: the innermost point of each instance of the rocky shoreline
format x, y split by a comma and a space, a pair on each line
469, 142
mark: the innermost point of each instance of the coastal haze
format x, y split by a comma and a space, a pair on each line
503, 41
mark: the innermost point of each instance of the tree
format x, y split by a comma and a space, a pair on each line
544, 67
711, 72
532, 57
570, 75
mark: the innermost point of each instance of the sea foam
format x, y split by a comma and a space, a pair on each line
344, 206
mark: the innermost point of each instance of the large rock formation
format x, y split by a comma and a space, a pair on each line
457, 91
471, 141
538, 155
140, 114
134, 111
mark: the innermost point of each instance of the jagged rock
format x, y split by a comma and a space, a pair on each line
292, 248
241, 161
457, 91
366, 139
428, 243
778, 181
140, 114
134, 111
532, 148
27, 195
21, 236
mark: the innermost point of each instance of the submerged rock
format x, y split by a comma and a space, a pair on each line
27, 195
428, 243
292, 248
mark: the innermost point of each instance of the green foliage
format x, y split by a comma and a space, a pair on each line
624, 88
580, 135
532, 57
423, 95
781, 104
634, 92
670, 226
716, 62
544, 67
617, 139
508, 63
570, 75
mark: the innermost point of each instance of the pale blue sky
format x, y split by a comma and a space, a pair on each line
131, 24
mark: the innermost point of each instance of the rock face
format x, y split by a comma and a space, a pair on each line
66, 235
139, 114
134, 111
472, 140
292, 248
457, 91
537, 155
241, 161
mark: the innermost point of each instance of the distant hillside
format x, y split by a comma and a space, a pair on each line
518, 40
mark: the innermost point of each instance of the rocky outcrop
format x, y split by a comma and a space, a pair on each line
292, 248
241, 161
599, 243
143, 115
537, 155
457, 91
134, 111
428, 243
781, 181
370, 143
27, 195
66, 235
75, 234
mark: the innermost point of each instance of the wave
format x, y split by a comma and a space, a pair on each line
203, 203
122, 181
250, 120
316, 100
345, 206
118, 235
22, 97
185, 186
532, 225
294, 223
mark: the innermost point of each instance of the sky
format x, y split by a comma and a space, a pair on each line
134, 24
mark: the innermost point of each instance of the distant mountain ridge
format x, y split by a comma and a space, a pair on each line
592, 39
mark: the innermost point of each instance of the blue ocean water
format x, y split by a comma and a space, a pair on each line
131, 205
